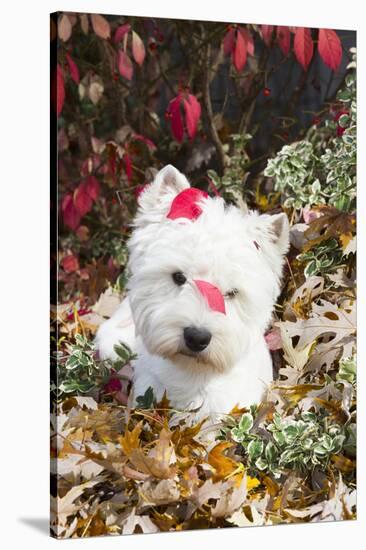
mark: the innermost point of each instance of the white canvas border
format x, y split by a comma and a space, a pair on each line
25, 263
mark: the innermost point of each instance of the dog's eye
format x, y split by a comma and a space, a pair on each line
179, 278
232, 293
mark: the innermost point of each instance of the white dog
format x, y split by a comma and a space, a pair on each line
203, 281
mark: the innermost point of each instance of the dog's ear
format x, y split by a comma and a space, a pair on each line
155, 200
277, 230
280, 228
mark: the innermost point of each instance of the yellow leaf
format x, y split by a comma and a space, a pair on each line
343, 463
131, 439
184, 442
236, 410
223, 465
345, 238
252, 483
160, 461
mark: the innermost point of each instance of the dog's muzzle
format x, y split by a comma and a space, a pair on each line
197, 339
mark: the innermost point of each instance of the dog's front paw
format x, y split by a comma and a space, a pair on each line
105, 340
118, 329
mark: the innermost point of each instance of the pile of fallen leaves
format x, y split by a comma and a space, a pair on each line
119, 470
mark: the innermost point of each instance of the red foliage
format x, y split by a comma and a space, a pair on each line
70, 214
330, 48
128, 166
303, 46
267, 33
82, 200
93, 187
120, 32
70, 263
74, 71
229, 40
239, 43
60, 90
192, 109
113, 385
108, 135
125, 66
284, 39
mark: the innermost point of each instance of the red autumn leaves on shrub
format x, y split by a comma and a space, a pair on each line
329, 44
303, 46
239, 43
124, 62
283, 36
75, 205
330, 48
58, 90
58, 83
184, 112
73, 68
70, 263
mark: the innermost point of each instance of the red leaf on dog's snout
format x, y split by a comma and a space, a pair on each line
185, 204
212, 295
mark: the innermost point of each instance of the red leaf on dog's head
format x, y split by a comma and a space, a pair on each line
212, 294
185, 204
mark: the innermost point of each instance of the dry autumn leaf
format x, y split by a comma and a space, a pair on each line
333, 223
223, 465
100, 26
64, 28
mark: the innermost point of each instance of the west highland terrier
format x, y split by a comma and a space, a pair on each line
203, 280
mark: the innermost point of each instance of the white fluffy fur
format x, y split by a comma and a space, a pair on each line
218, 247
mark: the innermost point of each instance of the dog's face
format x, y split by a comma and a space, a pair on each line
202, 287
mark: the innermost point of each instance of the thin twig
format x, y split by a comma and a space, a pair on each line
209, 113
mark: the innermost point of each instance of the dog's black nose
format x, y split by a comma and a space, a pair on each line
197, 339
